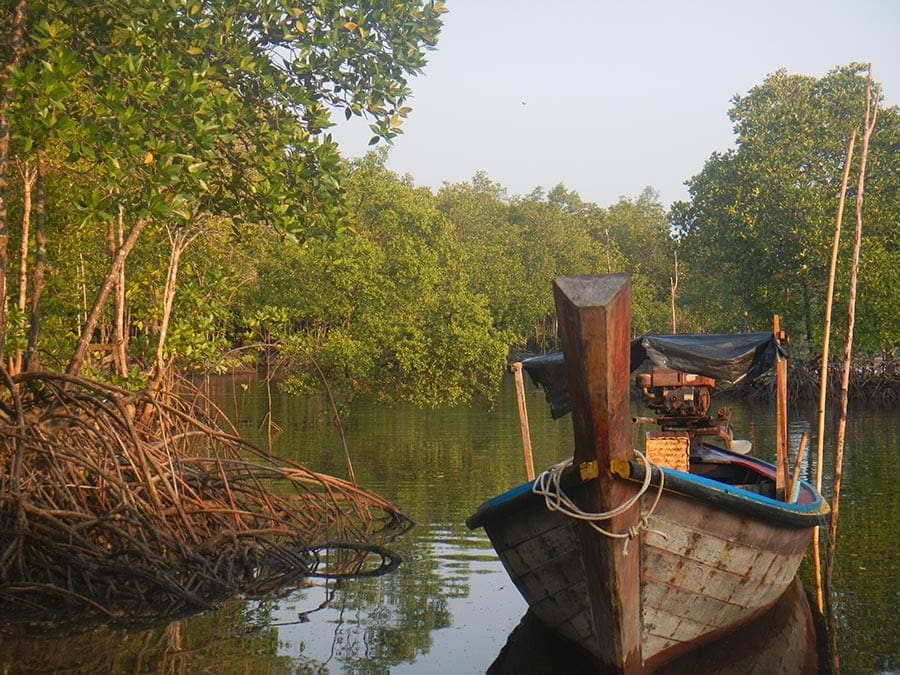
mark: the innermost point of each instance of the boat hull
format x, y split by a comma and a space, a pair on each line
705, 568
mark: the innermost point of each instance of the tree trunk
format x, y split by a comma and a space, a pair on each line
40, 267
93, 316
673, 288
13, 55
119, 337
179, 241
28, 179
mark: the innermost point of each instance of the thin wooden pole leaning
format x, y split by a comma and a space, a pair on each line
781, 424
823, 384
795, 475
516, 369
868, 127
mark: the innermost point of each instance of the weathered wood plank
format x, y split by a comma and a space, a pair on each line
662, 567
595, 325
545, 563
703, 517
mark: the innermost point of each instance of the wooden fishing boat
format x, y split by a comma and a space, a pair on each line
639, 558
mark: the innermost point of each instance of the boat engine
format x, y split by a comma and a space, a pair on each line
681, 401
676, 394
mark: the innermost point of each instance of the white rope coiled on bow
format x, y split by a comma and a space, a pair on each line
547, 484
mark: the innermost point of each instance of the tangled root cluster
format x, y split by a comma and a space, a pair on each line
871, 382
129, 506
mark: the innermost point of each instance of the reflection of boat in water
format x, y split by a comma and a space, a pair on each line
784, 639
639, 560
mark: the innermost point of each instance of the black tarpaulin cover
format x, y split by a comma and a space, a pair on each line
725, 358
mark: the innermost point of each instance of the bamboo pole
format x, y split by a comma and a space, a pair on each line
781, 424
823, 384
523, 419
868, 127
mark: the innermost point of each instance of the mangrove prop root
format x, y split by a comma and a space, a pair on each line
872, 382
122, 505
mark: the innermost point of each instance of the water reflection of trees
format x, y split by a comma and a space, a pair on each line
372, 624
233, 638
368, 625
385, 621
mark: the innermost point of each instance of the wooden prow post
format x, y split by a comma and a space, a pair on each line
523, 419
595, 324
781, 421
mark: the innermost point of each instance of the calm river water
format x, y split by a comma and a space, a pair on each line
450, 606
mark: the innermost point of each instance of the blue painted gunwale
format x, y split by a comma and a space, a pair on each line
809, 512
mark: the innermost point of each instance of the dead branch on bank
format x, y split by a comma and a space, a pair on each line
108, 511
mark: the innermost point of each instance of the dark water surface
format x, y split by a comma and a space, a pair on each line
450, 606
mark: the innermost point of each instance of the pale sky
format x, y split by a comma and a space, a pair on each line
611, 97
